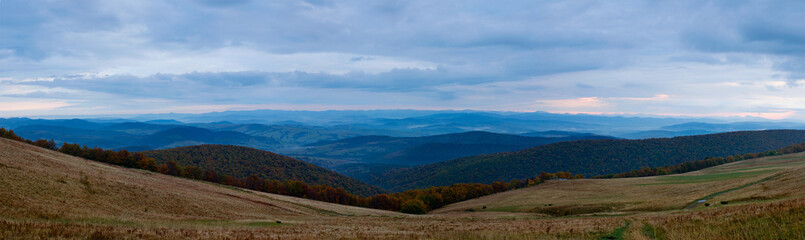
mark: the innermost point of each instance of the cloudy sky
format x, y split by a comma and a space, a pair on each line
665, 58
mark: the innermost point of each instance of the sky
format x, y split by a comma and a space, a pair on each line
657, 58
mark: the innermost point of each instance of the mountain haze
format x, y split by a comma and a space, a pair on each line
412, 151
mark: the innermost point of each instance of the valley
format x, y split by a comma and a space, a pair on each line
52, 194
414, 120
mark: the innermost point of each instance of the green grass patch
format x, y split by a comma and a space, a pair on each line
561, 211
733, 189
264, 224
504, 209
617, 233
206, 222
649, 231
227, 223
95, 221
685, 179
791, 164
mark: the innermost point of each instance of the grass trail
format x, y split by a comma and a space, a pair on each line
701, 200
685, 179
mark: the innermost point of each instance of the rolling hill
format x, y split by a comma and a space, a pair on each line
769, 178
47, 185
413, 151
296, 135
588, 157
47, 194
243, 162
139, 128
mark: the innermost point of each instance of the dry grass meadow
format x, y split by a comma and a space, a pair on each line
48, 195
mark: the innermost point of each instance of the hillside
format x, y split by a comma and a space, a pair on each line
766, 179
588, 157
47, 194
243, 162
413, 151
43, 184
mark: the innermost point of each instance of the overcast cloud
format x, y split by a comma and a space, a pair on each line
668, 58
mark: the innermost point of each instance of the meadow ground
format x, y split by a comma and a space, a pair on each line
49, 195
757, 179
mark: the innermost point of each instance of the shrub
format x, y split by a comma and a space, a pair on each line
414, 206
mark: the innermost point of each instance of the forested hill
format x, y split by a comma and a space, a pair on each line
414, 151
588, 157
243, 162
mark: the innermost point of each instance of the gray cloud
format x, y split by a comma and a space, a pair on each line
178, 86
443, 51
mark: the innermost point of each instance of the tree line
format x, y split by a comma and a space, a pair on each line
690, 166
241, 162
416, 201
588, 157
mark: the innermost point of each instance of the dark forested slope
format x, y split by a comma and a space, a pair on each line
589, 157
243, 162
413, 151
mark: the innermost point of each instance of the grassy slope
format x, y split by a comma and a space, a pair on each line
587, 157
757, 179
43, 184
43, 197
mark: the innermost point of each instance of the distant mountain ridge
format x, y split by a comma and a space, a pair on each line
141, 136
294, 135
589, 157
701, 128
412, 151
188, 136
292, 129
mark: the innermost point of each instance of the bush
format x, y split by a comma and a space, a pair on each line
414, 206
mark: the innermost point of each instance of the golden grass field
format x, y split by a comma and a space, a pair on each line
649, 194
49, 195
